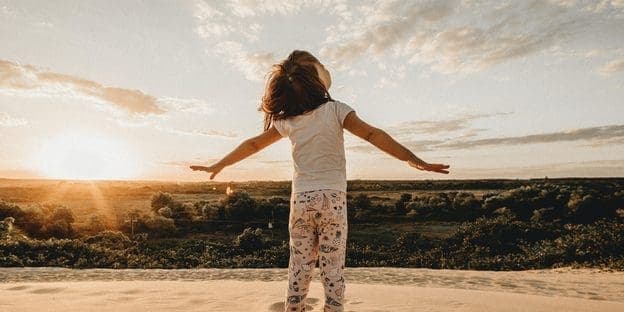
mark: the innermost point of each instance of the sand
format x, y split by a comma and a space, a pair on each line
368, 289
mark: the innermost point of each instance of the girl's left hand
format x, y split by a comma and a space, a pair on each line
214, 169
440, 168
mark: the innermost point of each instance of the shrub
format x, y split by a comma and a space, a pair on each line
399, 206
250, 239
110, 239
239, 206
160, 226
160, 200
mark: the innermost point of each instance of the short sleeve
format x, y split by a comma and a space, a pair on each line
281, 127
342, 110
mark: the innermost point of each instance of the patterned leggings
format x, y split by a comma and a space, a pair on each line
318, 230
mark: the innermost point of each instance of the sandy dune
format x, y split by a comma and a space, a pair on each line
370, 289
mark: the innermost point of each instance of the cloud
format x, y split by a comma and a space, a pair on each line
412, 145
445, 36
592, 168
186, 163
209, 133
613, 67
249, 8
230, 28
276, 163
455, 36
190, 105
20, 79
462, 123
7, 120
595, 134
253, 65
405, 132
164, 124
389, 23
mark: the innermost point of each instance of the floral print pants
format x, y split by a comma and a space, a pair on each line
318, 230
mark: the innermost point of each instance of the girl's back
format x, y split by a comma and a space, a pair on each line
317, 145
297, 105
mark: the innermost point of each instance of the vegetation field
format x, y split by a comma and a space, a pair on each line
474, 224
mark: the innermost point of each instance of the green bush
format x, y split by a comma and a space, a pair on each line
250, 239
239, 206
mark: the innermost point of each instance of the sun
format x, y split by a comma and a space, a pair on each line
86, 157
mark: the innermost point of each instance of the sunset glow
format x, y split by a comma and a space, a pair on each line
77, 156
512, 89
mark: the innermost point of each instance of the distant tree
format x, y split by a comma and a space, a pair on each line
585, 208
543, 215
110, 239
160, 200
239, 206
160, 226
399, 206
412, 214
6, 227
206, 210
250, 239
361, 201
181, 211
165, 212
465, 206
505, 212
59, 221
9, 210
32, 221
95, 224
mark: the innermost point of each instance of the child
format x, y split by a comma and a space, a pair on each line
297, 105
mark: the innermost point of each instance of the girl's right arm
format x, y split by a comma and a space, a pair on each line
386, 143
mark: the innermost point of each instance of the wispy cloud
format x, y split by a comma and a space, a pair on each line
416, 127
230, 28
7, 120
209, 133
405, 132
613, 67
275, 163
185, 163
29, 80
164, 124
386, 24
413, 145
249, 8
595, 134
253, 65
592, 168
454, 36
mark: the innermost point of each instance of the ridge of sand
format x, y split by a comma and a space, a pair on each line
233, 295
368, 289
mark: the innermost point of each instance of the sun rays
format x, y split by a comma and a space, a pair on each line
80, 156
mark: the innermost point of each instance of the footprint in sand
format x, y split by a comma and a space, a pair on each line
198, 301
96, 293
22, 287
124, 298
51, 290
131, 291
279, 306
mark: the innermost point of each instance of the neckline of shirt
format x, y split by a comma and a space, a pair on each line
312, 111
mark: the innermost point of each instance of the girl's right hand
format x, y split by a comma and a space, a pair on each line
440, 168
214, 169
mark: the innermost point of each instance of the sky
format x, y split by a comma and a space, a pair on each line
143, 89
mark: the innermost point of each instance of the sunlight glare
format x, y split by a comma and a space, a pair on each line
86, 157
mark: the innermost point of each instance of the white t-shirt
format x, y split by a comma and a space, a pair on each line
317, 146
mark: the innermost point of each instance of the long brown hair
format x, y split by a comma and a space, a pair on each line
293, 88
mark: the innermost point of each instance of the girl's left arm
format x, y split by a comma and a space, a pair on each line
242, 151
